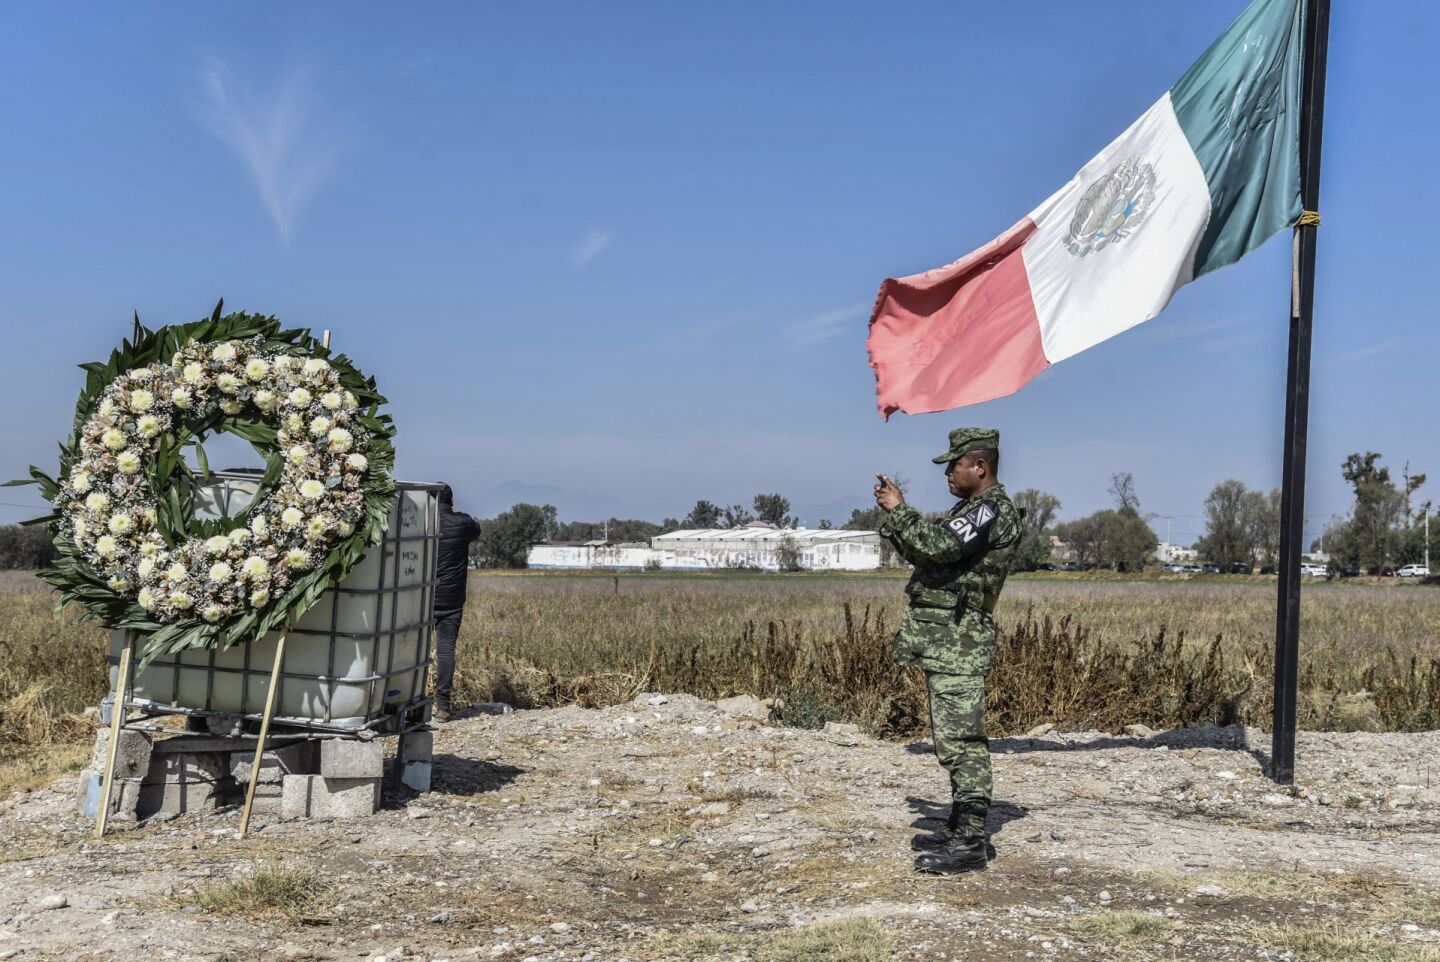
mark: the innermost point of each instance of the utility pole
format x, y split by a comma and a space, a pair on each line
1297, 396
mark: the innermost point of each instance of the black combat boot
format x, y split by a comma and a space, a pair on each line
934, 841
965, 851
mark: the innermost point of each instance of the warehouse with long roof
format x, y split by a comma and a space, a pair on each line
756, 545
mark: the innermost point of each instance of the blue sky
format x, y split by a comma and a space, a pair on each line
628, 250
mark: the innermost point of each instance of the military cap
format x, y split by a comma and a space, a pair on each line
965, 440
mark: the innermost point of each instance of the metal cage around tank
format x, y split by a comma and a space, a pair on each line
357, 661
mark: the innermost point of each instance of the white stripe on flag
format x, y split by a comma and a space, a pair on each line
1113, 245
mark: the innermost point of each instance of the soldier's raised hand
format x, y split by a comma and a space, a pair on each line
887, 494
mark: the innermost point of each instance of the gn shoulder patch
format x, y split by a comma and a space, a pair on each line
972, 528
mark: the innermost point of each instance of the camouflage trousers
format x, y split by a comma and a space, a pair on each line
957, 728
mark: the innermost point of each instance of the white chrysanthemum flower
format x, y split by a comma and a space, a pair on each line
107, 408
320, 426
258, 598
128, 462
146, 599
259, 526
299, 397
297, 454
239, 537
357, 462
311, 489
316, 365
255, 567
181, 600
176, 572
80, 528
97, 501
351, 401
228, 383
105, 546
294, 423
120, 523
181, 398
265, 400
193, 373
315, 527
291, 517
345, 528
223, 352
145, 568
213, 613
297, 557
148, 426
217, 545
118, 583
256, 369
80, 482
149, 549
113, 438
141, 401
141, 374
331, 400
220, 571
148, 513
340, 440
231, 406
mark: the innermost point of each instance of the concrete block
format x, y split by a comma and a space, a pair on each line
417, 746
296, 759
124, 796
315, 796
416, 775
347, 758
132, 753
177, 798
186, 768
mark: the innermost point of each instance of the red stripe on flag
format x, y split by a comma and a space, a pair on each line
959, 334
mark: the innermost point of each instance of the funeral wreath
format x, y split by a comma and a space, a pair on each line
130, 547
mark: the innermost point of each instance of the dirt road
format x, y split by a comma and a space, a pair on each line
670, 830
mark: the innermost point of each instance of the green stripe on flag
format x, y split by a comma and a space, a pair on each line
1239, 107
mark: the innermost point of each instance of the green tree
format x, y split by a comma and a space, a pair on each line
788, 554
1228, 538
1110, 539
705, 514
1262, 521
773, 509
1039, 511
1372, 534
737, 517
506, 539
826, 524
25, 546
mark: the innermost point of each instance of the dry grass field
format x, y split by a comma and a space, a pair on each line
1081, 653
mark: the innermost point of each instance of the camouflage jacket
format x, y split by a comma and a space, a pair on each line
960, 568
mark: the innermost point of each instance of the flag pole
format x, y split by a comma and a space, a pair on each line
1297, 396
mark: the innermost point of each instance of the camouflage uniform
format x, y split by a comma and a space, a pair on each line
949, 628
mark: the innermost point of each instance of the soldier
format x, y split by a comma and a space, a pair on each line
949, 630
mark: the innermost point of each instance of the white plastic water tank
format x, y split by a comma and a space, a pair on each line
359, 658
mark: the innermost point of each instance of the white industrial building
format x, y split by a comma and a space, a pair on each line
717, 549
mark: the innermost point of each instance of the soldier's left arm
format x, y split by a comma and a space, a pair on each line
984, 525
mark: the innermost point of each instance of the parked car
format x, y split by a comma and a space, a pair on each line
1314, 570
1173, 568
1192, 569
1350, 570
1070, 566
1211, 569
1387, 572
1047, 566
1413, 571
1239, 568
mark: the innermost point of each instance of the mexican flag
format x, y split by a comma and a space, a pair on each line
1204, 177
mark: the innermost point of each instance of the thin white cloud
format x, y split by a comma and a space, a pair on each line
275, 133
595, 243
818, 328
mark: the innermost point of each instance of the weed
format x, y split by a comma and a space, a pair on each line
285, 890
1124, 927
851, 940
1315, 944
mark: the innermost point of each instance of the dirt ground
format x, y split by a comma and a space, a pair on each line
667, 829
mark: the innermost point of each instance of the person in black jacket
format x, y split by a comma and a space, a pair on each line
457, 530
